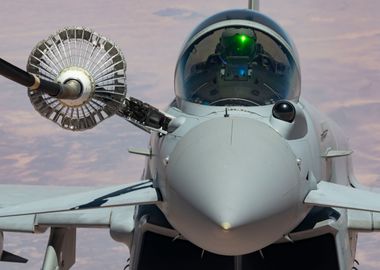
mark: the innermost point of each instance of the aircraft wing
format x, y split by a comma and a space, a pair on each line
18, 194
87, 207
34, 209
334, 195
90, 218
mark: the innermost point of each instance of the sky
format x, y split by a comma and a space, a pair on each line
339, 47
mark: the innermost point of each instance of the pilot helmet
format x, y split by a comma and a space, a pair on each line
237, 42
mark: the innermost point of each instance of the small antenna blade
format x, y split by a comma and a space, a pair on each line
254, 4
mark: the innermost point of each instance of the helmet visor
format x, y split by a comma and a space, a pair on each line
238, 45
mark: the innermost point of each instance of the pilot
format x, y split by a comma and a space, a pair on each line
238, 42
242, 44
235, 71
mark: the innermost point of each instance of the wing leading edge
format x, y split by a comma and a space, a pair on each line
334, 195
137, 193
110, 207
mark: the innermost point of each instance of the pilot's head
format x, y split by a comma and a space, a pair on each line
237, 42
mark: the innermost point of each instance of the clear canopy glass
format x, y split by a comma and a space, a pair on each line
237, 66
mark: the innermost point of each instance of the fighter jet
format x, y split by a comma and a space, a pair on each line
241, 172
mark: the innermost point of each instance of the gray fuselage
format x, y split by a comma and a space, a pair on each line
233, 179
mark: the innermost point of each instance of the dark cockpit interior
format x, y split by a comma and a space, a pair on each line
237, 66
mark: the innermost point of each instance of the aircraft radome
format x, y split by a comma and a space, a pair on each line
241, 172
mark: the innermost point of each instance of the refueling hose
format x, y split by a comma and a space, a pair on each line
58, 90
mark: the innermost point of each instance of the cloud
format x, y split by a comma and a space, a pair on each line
20, 160
367, 253
319, 19
349, 36
178, 13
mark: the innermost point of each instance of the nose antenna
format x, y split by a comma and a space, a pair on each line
254, 4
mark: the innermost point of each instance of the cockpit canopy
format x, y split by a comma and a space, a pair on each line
238, 62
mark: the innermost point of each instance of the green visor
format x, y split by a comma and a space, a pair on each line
238, 45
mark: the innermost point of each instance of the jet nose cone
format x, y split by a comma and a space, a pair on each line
236, 172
